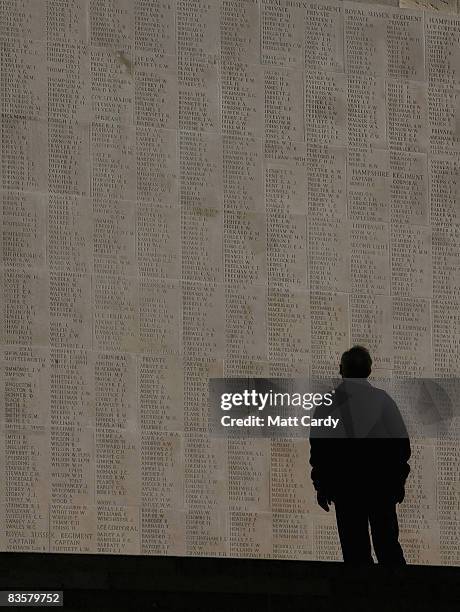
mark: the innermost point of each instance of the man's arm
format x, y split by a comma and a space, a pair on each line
319, 460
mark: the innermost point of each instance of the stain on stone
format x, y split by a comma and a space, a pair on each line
124, 61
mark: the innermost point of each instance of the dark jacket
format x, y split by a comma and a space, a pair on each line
368, 453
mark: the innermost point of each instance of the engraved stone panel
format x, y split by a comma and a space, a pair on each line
191, 189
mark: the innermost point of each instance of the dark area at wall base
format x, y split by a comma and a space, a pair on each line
191, 584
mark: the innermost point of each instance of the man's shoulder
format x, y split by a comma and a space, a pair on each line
384, 394
380, 394
363, 387
386, 398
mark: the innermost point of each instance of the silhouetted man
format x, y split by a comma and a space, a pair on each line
362, 466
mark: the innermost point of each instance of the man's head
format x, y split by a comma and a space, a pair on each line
356, 363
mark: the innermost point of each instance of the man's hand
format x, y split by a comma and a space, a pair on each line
400, 493
323, 501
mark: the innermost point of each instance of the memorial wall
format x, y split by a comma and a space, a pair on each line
197, 188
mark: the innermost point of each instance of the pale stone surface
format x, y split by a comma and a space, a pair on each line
197, 189
443, 6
